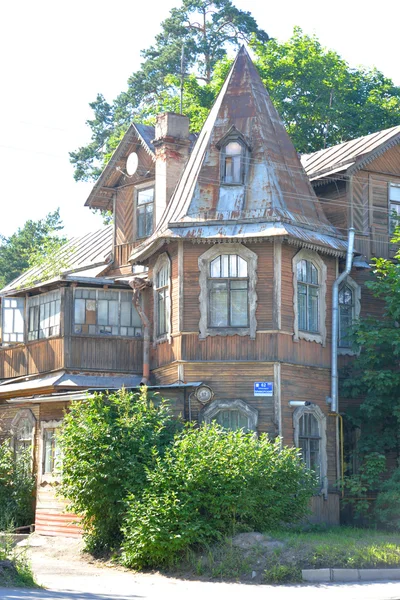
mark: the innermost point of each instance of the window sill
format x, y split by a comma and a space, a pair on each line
308, 336
224, 331
105, 336
163, 338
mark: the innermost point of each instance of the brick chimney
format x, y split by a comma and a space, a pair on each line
172, 151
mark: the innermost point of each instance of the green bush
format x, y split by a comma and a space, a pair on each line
387, 505
17, 485
208, 484
107, 442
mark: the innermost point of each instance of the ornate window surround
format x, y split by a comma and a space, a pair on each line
356, 311
209, 412
162, 261
317, 261
234, 135
24, 413
321, 419
204, 262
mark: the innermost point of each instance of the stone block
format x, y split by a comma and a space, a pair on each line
316, 575
345, 575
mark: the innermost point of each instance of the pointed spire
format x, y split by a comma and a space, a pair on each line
275, 186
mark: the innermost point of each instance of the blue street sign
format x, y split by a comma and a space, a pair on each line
263, 388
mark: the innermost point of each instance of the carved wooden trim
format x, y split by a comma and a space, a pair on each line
204, 261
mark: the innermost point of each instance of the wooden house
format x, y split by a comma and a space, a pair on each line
214, 285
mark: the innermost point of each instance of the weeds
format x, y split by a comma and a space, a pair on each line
19, 572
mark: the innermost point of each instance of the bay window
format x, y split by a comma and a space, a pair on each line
44, 315
105, 312
13, 320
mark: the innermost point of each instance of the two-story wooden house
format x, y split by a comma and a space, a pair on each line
214, 285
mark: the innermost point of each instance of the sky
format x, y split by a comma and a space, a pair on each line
57, 55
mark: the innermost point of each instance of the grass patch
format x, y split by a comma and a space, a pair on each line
315, 548
15, 568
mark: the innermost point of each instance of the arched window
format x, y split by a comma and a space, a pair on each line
234, 149
309, 424
23, 430
233, 163
307, 296
231, 414
162, 297
309, 284
228, 299
309, 442
228, 292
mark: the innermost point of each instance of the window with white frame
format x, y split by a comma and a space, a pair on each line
44, 315
162, 296
228, 299
309, 424
394, 206
144, 212
228, 285
13, 320
309, 299
231, 414
232, 163
105, 312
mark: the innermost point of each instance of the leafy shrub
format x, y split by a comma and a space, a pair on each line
107, 443
387, 505
17, 484
208, 484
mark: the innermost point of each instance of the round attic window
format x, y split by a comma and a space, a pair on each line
132, 163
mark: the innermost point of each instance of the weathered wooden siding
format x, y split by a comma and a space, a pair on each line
334, 199
325, 511
308, 384
117, 354
34, 357
235, 381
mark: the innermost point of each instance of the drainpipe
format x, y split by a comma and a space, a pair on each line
335, 322
137, 285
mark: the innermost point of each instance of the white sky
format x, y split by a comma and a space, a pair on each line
57, 55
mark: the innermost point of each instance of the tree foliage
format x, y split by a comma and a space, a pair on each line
205, 29
30, 246
374, 377
211, 483
321, 99
107, 442
17, 485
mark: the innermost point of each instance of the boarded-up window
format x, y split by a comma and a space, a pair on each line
105, 312
13, 320
44, 315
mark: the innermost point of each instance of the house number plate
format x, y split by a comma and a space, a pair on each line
263, 388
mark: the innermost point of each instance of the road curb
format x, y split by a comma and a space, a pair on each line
346, 575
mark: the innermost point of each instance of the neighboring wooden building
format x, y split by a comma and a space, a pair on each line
231, 257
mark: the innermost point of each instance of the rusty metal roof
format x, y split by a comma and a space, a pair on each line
276, 187
86, 257
352, 154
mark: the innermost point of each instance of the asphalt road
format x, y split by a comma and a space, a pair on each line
154, 587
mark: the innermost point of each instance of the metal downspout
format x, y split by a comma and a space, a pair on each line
335, 322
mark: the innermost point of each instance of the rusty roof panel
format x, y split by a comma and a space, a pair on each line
91, 252
348, 154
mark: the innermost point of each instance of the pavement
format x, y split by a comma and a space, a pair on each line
65, 575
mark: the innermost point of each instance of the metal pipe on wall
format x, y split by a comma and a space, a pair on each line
335, 322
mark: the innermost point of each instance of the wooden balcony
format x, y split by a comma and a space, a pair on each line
105, 355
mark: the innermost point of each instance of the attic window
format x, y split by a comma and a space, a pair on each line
234, 150
144, 212
233, 163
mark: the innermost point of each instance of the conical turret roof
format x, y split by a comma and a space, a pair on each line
276, 188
